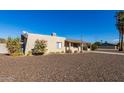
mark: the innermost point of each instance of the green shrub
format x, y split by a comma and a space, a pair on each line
40, 47
29, 53
84, 47
94, 47
14, 46
62, 52
17, 54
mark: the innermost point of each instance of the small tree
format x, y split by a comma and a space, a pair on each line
14, 46
40, 47
98, 43
94, 46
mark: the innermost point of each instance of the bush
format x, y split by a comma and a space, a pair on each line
94, 47
14, 46
84, 47
29, 53
62, 52
17, 54
39, 48
98, 43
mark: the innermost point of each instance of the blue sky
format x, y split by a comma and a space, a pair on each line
92, 25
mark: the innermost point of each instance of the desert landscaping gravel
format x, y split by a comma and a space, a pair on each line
86, 67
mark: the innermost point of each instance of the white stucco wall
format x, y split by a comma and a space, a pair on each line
3, 49
73, 49
51, 42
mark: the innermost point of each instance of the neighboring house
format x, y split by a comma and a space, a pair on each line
107, 46
74, 45
3, 49
54, 43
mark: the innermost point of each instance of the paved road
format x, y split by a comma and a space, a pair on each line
102, 52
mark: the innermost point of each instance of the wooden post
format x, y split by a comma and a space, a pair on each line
81, 46
69, 45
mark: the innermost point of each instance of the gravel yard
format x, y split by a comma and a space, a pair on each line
87, 67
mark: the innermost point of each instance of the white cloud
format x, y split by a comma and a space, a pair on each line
115, 40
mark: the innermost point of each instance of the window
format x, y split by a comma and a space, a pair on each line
59, 44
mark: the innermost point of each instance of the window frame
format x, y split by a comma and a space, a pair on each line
58, 45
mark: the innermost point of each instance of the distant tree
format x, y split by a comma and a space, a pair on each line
94, 46
106, 42
101, 41
40, 47
98, 43
14, 46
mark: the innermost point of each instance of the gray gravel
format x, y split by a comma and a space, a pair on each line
87, 67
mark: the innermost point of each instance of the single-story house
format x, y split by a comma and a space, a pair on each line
3, 49
54, 43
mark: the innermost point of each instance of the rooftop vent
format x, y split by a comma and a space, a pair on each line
53, 34
24, 32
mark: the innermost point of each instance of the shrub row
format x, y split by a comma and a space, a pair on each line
15, 48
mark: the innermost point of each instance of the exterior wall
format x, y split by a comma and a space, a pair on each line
51, 42
3, 49
73, 49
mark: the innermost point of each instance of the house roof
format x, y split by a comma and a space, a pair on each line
26, 35
73, 41
66, 40
77, 41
